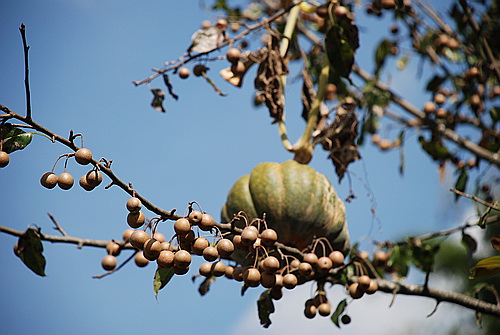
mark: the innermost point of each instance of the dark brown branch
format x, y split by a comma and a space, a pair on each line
22, 29
80, 242
493, 158
440, 296
165, 215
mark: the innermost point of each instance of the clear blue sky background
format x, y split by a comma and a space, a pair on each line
83, 57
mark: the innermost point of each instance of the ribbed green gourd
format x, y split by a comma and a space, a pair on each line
299, 203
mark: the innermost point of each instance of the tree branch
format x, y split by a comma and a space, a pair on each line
448, 133
440, 296
22, 29
80, 242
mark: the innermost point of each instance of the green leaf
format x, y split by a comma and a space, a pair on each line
423, 256
381, 53
434, 83
401, 152
265, 308
435, 149
162, 277
400, 260
339, 52
495, 114
29, 248
461, 182
486, 268
338, 312
13, 138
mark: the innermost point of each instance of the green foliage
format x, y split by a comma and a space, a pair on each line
13, 138
338, 312
162, 277
30, 249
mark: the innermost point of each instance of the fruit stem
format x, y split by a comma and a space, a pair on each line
312, 120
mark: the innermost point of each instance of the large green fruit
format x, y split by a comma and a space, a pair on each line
299, 203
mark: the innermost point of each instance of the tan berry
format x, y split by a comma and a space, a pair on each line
4, 159
65, 181
138, 238
184, 72
113, 248
83, 156
136, 220
94, 178
207, 222
134, 205
108, 262
140, 260
49, 180
225, 247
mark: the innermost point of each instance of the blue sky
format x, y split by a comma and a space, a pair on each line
83, 57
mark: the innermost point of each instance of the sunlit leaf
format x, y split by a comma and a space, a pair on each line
265, 308
402, 62
381, 53
338, 312
461, 182
30, 249
13, 138
162, 277
486, 268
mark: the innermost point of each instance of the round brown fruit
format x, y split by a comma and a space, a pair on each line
324, 309
380, 257
127, 233
324, 264
138, 238
251, 277
372, 288
134, 205
49, 180
205, 269
152, 249
166, 246
225, 247
159, 237
195, 217
429, 107
355, 292
310, 311
184, 72
199, 245
180, 271
311, 258
271, 264
207, 222
210, 254
65, 181
182, 226
4, 159
345, 319
385, 144
363, 282
233, 55
218, 269
94, 178
238, 273
228, 272
165, 259
136, 220
140, 260
249, 235
294, 265
84, 184
268, 237
439, 98
276, 293
341, 11
305, 269
290, 281
267, 279
182, 259
199, 69
108, 262
83, 156
113, 248
337, 258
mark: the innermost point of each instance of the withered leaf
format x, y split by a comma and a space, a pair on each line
268, 79
340, 139
265, 308
158, 98
205, 285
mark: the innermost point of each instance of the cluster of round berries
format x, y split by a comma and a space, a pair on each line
65, 181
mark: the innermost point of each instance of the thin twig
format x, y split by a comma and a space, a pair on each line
58, 226
22, 29
476, 199
231, 41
